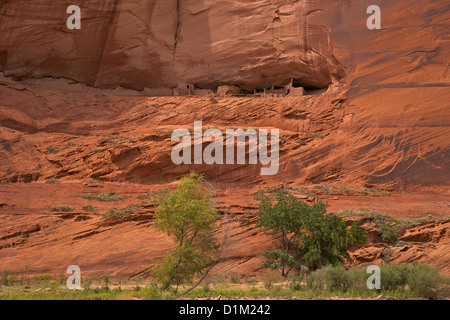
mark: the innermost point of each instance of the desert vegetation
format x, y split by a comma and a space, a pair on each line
53, 181
187, 215
103, 196
114, 140
309, 236
90, 208
402, 281
61, 208
68, 145
309, 261
125, 211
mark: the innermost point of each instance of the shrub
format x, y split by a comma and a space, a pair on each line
131, 208
114, 212
419, 280
206, 286
328, 189
95, 150
388, 234
356, 235
234, 278
268, 283
5, 277
61, 278
147, 196
107, 279
53, 150
339, 279
296, 281
386, 254
52, 181
107, 197
316, 136
154, 195
424, 281
61, 208
90, 208
357, 277
394, 276
86, 283
69, 144
166, 132
115, 140
319, 279
92, 180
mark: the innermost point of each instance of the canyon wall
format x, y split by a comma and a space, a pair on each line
385, 112
150, 43
380, 122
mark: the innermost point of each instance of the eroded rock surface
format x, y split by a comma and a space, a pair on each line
152, 43
71, 109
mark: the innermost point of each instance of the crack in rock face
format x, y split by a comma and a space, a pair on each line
162, 44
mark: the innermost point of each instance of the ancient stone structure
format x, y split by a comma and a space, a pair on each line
183, 89
157, 92
225, 90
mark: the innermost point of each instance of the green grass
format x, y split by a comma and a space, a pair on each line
56, 293
402, 281
102, 196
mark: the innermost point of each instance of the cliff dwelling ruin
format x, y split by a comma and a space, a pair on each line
184, 89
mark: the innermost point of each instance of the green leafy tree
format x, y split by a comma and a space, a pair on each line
282, 219
322, 238
309, 236
186, 214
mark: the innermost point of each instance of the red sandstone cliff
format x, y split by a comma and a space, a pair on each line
383, 109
